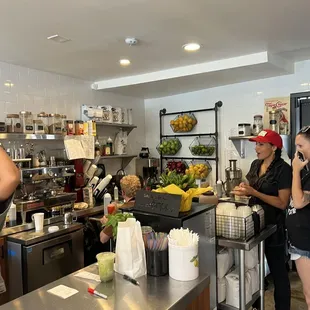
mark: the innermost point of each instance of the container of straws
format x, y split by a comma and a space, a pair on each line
157, 254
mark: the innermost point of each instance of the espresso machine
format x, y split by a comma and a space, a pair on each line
233, 176
147, 167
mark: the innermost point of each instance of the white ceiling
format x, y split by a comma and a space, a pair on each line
97, 29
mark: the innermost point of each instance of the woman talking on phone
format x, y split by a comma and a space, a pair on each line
298, 220
270, 179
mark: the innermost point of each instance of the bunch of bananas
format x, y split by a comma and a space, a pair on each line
184, 182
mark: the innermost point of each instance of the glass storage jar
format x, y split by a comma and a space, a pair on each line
70, 127
258, 124
54, 124
63, 124
38, 126
244, 129
26, 119
13, 123
274, 120
2, 127
44, 118
79, 127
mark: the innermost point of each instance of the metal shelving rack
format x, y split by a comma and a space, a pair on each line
163, 113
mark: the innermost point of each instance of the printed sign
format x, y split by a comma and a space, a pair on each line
282, 106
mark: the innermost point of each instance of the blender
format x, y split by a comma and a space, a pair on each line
233, 176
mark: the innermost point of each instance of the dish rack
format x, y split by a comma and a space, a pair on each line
234, 227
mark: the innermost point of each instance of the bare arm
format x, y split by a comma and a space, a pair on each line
9, 176
300, 198
103, 237
281, 201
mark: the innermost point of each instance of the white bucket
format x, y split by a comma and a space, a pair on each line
183, 262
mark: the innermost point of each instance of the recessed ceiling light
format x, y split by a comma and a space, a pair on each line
124, 62
58, 39
191, 47
304, 84
259, 93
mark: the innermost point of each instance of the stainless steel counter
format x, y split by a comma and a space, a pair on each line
250, 244
31, 237
53, 220
89, 211
153, 293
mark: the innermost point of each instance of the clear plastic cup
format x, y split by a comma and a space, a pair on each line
106, 265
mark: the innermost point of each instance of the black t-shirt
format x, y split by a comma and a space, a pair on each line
277, 177
298, 220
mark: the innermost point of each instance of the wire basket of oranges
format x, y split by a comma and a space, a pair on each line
183, 122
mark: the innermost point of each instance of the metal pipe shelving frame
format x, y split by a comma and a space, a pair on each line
215, 109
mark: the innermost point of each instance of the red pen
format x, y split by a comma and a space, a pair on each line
94, 292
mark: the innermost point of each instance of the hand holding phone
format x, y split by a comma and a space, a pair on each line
302, 158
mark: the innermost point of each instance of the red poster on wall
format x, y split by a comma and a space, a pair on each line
281, 105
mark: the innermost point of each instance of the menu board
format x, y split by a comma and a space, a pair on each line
157, 203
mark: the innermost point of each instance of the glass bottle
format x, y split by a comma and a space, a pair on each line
97, 147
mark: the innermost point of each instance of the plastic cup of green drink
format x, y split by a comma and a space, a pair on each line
106, 266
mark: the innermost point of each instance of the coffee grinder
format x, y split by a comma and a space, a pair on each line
233, 176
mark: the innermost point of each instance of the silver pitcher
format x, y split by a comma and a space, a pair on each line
69, 218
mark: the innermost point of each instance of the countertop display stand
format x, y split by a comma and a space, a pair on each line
243, 246
163, 113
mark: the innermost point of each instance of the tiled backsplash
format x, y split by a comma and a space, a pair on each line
33, 90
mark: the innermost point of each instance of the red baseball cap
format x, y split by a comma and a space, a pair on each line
269, 136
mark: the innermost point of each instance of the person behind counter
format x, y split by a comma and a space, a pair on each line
270, 180
298, 220
129, 185
9, 179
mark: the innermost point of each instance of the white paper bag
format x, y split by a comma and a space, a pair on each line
254, 272
221, 290
130, 252
224, 262
232, 288
251, 258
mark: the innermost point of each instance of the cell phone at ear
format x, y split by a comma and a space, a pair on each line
302, 158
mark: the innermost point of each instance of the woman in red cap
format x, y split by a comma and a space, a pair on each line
270, 180
298, 220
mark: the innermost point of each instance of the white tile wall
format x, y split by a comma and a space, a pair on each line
240, 103
37, 91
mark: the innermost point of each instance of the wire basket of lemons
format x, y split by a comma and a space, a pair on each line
199, 170
183, 123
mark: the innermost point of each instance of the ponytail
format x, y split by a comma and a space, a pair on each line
277, 154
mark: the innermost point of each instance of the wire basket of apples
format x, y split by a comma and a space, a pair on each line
178, 166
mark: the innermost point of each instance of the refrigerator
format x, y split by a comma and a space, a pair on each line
300, 115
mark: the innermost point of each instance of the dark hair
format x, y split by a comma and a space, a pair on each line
305, 132
277, 153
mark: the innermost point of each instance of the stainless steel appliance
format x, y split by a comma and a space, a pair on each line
36, 259
201, 219
64, 202
147, 167
300, 117
233, 176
